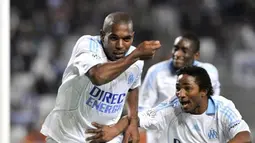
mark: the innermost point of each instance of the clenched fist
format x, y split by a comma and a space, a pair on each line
147, 49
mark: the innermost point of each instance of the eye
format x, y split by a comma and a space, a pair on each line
178, 88
175, 49
113, 38
127, 39
188, 88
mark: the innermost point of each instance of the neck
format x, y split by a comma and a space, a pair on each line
201, 108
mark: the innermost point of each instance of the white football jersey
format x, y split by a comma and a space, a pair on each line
220, 122
79, 102
159, 83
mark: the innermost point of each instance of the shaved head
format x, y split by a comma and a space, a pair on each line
117, 18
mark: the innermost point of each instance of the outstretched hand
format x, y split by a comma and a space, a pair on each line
102, 133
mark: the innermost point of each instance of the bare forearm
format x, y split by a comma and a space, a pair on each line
242, 137
104, 73
132, 102
122, 124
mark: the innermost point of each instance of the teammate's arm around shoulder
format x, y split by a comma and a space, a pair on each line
106, 72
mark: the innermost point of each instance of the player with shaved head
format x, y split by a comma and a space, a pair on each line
103, 73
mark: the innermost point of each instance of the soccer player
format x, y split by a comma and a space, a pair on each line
192, 116
159, 82
102, 74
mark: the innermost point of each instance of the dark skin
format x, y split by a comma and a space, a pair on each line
193, 100
116, 41
183, 52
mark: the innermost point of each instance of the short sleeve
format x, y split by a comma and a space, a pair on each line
159, 117
139, 70
86, 54
232, 121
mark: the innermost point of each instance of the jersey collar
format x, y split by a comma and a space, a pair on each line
211, 107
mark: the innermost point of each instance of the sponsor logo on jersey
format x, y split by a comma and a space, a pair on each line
104, 101
177, 141
233, 125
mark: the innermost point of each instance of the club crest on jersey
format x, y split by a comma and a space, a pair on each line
131, 78
151, 113
213, 134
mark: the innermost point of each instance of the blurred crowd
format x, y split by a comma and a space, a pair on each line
43, 33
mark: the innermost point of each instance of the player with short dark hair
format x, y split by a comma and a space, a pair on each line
192, 116
103, 73
159, 82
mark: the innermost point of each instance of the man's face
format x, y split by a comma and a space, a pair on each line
117, 41
189, 94
182, 52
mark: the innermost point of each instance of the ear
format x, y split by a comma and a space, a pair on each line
133, 35
197, 56
102, 35
203, 92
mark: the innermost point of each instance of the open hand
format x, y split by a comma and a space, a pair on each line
102, 133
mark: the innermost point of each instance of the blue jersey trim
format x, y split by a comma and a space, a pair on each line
211, 107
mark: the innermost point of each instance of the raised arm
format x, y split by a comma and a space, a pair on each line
106, 72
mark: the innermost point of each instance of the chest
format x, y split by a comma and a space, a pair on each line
166, 84
195, 130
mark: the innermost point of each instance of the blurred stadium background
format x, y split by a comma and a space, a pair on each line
43, 33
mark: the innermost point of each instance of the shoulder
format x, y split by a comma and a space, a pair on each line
159, 67
172, 103
207, 66
226, 109
222, 102
88, 43
168, 108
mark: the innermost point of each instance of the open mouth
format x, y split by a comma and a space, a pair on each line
185, 103
118, 54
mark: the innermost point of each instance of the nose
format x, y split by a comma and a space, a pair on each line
181, 93
120, 44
